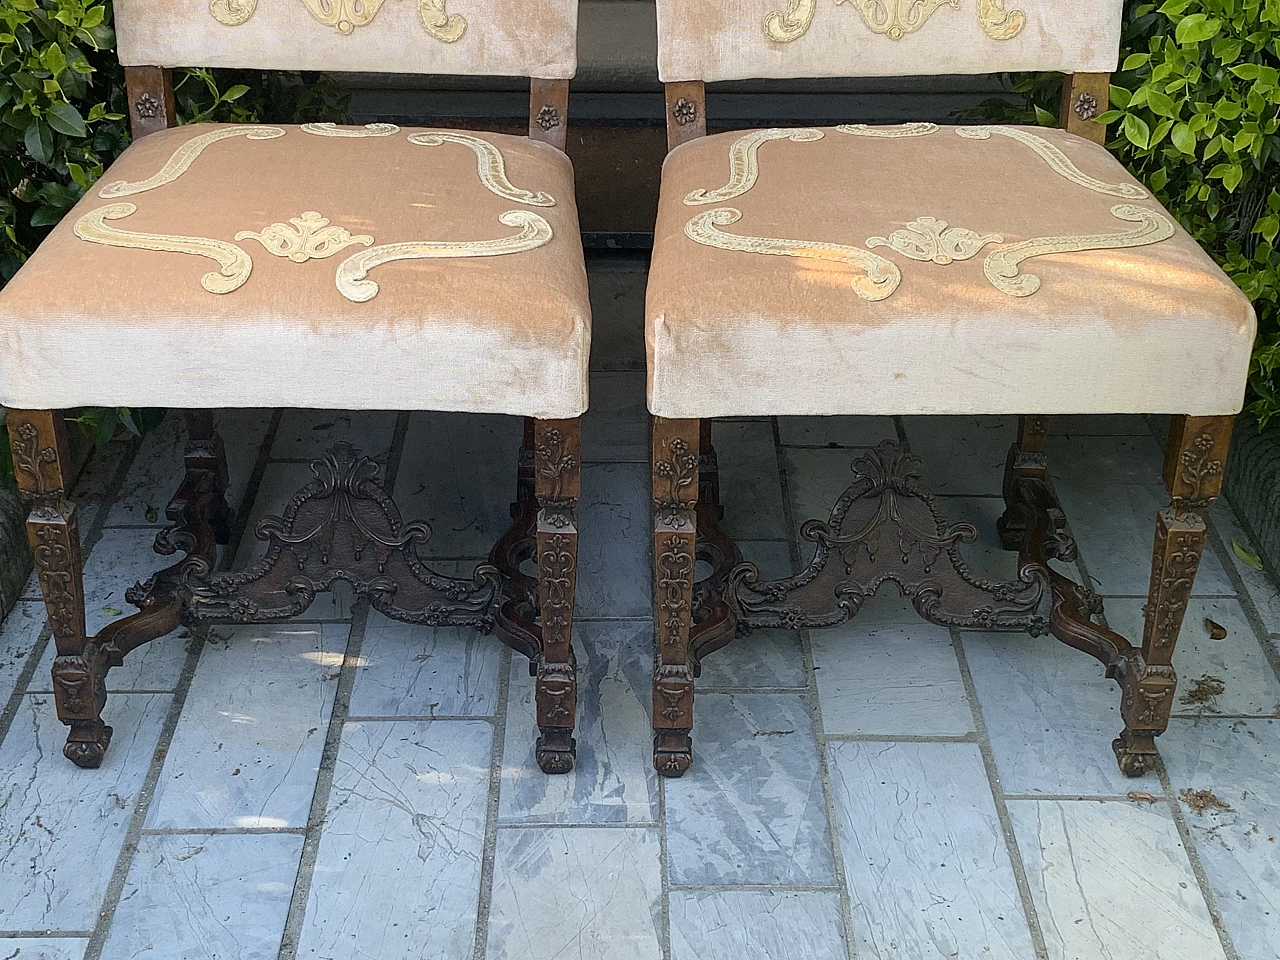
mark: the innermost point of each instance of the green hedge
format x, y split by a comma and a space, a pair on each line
1195, 113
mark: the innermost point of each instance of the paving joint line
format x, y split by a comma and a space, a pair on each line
493, 796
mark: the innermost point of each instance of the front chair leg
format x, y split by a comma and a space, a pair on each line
1194, 459
675, 500
557, 448
38, 440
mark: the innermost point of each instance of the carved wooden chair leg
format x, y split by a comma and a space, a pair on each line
206, 469
676, 445
1026, 478
1194, 458
38, 439
558, 481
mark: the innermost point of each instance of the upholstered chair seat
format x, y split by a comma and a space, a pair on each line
320, 266
921, 269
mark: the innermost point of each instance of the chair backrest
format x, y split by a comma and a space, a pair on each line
743, 39
479, 37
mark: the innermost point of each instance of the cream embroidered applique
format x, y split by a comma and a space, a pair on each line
744, 168
368, 130
1056, 159
1001, 266
893, 18
913, 129
310, 238
347, 15
489, 165
882, 276
352, 272
184, 156
236, 264
929, 239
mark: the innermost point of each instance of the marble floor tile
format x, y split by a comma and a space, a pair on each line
751, 809
590, 893
205, 897
458, 473
397, 875
617, 314
750, 487
615, 578
1101, 425
1239, 762
890, 680
408, 670
157, 469
924, 853
1260, 587
616, 427
963, 456
750, 925
1248, 684
816, 479
1114, 526
18, 636
613, 779
43, 948
835, 431
307, 434
247, 748
1111, 881
1094, 463
63, 827
1051, 715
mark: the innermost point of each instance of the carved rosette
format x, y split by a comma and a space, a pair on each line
684, 111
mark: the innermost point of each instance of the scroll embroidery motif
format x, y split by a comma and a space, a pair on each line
882, 276
744, 168
346, 15
310, 238
184, 156
1001, 267
368, 130
904, 130
893, 18
236, 264
352, 272
490, 166
1056, 159
928, 239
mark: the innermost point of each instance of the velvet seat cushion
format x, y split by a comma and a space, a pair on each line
930, 270
314, 266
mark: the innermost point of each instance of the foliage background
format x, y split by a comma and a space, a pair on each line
1195, 110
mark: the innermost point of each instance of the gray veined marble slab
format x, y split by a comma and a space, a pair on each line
205, 897
924, 854
246, 751
411, 670
307, 434
835, 431
751, 809
616, 427
590, 893
890, 679
613, 779
62, 826
750, 485
18, 636
1248, 683
1239, 761
963, 456
751, 925
1261, 589
1051, 715
43, 948
458, 473
615, 578
157, 469
1111, 881
397, 876
1103, 462
1101, 425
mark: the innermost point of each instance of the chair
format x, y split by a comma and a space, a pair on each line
315, 266
920, 269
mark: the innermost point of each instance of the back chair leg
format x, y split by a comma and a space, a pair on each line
557, 446
38, 440
676, 446
1194, 458
1026, 480
206, 471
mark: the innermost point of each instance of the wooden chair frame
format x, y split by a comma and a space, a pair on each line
343, 527
693, 619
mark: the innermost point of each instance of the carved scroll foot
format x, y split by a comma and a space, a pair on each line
87, 743
672, 752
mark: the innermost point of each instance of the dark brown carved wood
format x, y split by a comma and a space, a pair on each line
686, 112
1084, 97
151, 103
549, 111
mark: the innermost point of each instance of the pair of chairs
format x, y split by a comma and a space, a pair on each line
799, 271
